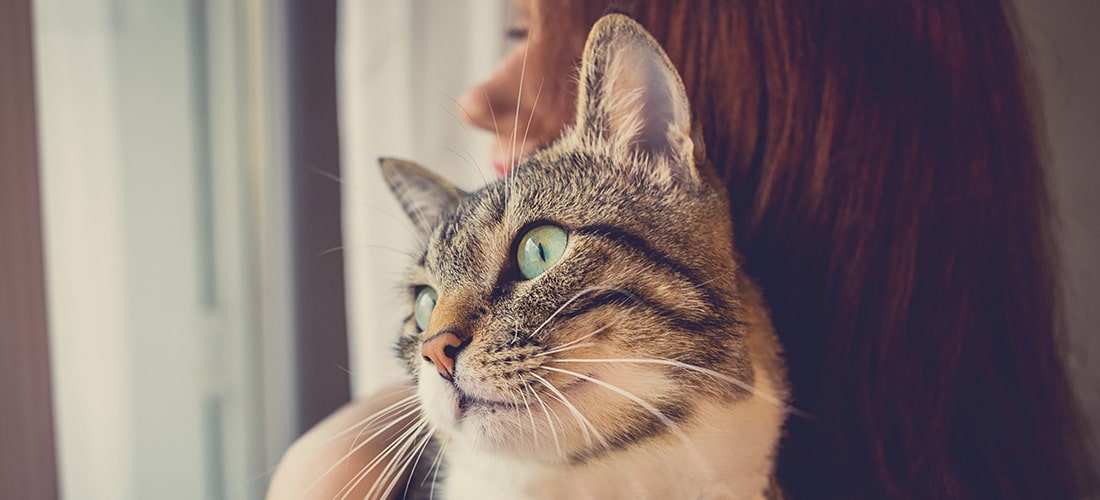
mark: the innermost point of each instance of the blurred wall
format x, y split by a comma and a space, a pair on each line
151, 336
118, 178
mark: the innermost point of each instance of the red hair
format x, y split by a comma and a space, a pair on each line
889, 195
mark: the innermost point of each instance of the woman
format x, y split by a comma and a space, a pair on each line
888, 194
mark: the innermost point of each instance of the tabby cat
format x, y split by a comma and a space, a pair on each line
580, 328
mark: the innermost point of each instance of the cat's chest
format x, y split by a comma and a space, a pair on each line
700, 463
487, 478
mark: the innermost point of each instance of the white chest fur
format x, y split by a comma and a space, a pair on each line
729, 455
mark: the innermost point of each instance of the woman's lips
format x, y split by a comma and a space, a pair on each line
501, 167
504, 160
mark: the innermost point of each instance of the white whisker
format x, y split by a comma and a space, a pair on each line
546, 411
531, 416
391, 469
570, 344
719, 375
558, 350
410, 464
500, 146
640, 402
355, 448
577, 296
415, 408
402, 220
401, 403
469, 159
400, 443
407, 441
338, 248
530, 118
464, 123
328, 175
436, 466
585, 424
519, 100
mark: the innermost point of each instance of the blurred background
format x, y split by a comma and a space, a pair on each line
215, 227
219, 251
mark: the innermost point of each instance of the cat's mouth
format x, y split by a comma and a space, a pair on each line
465, 402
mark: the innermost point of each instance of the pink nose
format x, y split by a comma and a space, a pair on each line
441, 350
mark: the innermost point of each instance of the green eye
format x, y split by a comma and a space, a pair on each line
539, 249
425, 302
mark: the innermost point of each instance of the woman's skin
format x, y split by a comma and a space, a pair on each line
522, 101
321, 464
491, 106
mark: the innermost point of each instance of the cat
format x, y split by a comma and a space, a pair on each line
581, 328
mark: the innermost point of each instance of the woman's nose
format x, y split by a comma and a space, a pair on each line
492, 104
476, 108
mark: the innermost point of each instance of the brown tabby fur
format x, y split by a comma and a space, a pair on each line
649, 273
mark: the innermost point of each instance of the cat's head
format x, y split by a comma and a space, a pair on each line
589, 300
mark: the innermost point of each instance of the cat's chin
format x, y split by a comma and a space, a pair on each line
572, 421
506, 431
449, 407
522, 431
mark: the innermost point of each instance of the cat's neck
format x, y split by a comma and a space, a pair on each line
728, 453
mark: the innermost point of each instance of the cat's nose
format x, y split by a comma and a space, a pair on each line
441, 350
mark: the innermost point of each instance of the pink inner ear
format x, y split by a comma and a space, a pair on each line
643, 100
632, 100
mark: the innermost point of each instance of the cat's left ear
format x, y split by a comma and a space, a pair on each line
632, 96
425, 196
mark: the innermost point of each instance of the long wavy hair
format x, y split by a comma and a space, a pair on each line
889, 194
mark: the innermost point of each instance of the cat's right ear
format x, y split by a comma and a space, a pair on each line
631, 96
425, 196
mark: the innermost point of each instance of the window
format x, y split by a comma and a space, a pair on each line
183, 216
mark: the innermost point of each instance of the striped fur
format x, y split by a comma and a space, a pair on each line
537, 407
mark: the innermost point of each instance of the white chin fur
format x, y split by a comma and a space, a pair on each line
548, 435
438, 402
511, 454
730, 456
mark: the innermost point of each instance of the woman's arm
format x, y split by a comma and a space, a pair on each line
321, 463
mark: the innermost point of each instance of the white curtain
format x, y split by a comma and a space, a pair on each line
402, 66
